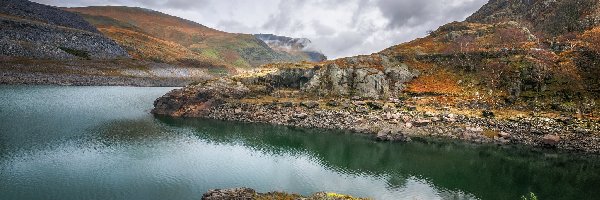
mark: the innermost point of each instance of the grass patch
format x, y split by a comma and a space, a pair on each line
210, 53
75, 52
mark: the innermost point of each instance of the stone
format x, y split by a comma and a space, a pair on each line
375, 105
421, 122
235, 193
310, 104
355, 98
411, 108
429, 114
504, 135
488, 114
345, 105
300, 115
551, 140
450, 118
361, 109
287, 104
237, 111
333, 103
392, 135
359, 103
475, 129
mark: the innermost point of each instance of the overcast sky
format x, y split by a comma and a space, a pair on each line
339, 28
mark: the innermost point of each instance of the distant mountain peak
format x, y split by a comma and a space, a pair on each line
292, 45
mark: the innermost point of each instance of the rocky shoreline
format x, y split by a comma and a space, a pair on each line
386, 120
124, 72
8, 78
248, 194
387, 123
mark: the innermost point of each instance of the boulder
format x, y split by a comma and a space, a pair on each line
362, 109
195, 101
310, 104
421, 122
488, 114
375, 105
333, 103
450, 118
551, 140
300, 115
393, 135
504, 135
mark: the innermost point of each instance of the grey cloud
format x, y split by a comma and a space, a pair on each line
407, 13
321, 29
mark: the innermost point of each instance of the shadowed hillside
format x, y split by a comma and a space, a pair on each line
36, 31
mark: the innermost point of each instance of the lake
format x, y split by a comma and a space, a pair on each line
59, 142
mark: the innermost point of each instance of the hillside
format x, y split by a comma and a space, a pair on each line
31, 30
152, 35
513, 53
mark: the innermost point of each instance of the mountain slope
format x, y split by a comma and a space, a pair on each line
546, 17
31, 30
152, 35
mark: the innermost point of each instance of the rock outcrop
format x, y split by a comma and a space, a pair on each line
45, 14
250, 194
358, 77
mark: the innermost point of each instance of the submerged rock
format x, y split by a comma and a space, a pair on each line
235, 193
394, 135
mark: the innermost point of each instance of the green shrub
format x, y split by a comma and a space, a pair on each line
531, 196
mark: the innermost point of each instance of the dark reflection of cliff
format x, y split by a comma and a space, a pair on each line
488, 172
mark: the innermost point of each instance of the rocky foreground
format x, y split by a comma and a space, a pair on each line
248, 194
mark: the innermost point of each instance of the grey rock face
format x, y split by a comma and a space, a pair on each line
361, 80
31, 30
46, 14
22, 38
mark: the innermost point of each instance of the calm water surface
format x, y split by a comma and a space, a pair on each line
102, 143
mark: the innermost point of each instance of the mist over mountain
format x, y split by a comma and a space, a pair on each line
293, 45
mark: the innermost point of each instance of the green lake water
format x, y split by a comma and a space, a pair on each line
102, 143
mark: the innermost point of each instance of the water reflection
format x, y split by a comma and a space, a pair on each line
485, 171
